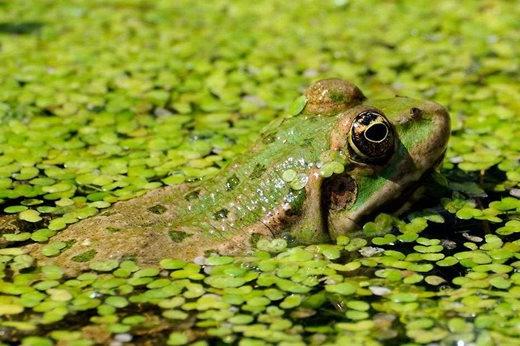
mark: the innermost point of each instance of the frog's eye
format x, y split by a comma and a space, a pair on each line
371, 137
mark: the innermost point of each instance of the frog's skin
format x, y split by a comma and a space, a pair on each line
250, 199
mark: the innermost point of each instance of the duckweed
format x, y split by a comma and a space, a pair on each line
104, 266
160, 93
331, 168
297, 106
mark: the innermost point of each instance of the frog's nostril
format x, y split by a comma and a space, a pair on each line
376, 133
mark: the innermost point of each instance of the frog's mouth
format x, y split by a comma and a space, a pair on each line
405, 200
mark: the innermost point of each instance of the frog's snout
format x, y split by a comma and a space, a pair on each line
332, 96
430, 152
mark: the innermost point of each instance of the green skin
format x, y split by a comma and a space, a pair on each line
249, 199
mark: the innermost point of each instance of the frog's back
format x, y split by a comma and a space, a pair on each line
185, 221
244, 192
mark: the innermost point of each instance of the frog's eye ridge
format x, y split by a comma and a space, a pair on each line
371, 137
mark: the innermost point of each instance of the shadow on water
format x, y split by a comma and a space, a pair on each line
19, 28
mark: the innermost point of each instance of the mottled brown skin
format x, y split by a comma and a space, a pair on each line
249, 199
130, 230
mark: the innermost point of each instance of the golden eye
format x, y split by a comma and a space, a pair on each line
371, 138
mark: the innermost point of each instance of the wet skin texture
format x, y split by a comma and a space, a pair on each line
380, 146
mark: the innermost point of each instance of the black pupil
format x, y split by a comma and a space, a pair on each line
376, 132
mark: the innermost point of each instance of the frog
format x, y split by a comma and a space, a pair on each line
310, 177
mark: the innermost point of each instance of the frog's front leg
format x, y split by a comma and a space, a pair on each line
300, 217
310, 228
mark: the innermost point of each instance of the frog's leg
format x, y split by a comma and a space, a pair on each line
303, 220
138, 228
310, 228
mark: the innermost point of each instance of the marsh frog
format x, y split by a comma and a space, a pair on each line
308, 178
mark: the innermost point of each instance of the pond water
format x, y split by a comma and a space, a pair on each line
101, 101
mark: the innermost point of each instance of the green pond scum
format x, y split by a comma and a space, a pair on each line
102, 101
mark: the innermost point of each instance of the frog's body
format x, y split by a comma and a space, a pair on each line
309, 177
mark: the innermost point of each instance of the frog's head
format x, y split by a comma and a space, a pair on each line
390, 144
